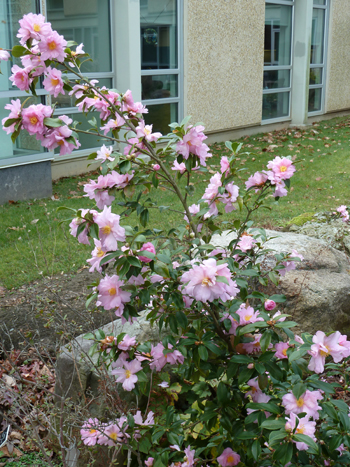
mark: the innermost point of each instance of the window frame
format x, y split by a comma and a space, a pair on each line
50, 155
322, 65
171, 71
288, 89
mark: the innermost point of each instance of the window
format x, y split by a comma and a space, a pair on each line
78, 20
277, 59
161, 79
317, 57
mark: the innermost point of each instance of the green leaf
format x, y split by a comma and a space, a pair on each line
241, 359
251, 327
212, 347
286, 324
326, 387
203, 353
134, 261
296, 355
278, 298
245, 375
299, 389
284, 453
141, 377
181, 318
222, 279
249, 272
265, 341
71, 44
18, 51
256, 449
334, 442
246, 435
190, 189
10, 121
329, 409
164, 258
265, 406
53, 122
276, 436
92, 156
273, 424
273, 278
147, 254
223, 394
274, 370
307, 440
344, 420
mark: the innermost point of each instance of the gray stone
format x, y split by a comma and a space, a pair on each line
77, 373
25, 182
318, 290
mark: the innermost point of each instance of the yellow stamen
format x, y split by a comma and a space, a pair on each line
230, 459
283, 168
52, 45
127, 374
206, 282
33, 120
325, 354
55, 82
36, 28
248, 317
100, 253
300, 402
106, 230
147, 131
114, 436
92, 431
112, 291
300, 429
284, 351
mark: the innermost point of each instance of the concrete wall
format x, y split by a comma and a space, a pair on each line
338, 82
224, 58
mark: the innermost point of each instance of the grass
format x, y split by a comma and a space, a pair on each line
33, 243
32, 459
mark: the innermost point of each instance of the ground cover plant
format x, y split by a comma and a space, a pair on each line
227, 382
45, 247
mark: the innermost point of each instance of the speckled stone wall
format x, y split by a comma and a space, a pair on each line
224, 58
338, 81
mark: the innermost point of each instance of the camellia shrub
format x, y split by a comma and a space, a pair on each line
228, 383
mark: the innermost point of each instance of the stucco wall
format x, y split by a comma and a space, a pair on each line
338, 80
224, 53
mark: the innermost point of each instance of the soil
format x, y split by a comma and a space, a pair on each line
49, 312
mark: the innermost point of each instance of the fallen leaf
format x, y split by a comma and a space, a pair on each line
34, 221
318, 178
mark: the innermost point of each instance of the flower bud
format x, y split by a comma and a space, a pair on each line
269, 305
156, 167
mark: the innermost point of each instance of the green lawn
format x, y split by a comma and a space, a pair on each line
34, 244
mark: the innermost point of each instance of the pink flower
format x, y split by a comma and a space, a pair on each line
4, 55
15, 112
254, 346
194, 209
145, 131
306, 403
127, 343
163, 384
230, 197
126, 374
149, 420
99, 191
131, 107
248, 315
345, 344
138, 280
303, 427
246, 243
90, 431
52, 47
149, 462
156, 167
33, 118
160, 360
192, 142
282, 168
290, 265
20, 77
180, 167
269, 305
120, 180
111, 295
322, 347
59, 137
33, 27
234, 323
132, 148
255, 389
281, 350
53, 82
343, 212
228, 458
110, 230
97, 255
74, 225
257, 180
113, 124
225, 166
147, 247
202, 282
111, 435
189, 457
34, 62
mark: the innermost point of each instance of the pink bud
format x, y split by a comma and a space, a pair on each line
269, 305
250, 366
156, 167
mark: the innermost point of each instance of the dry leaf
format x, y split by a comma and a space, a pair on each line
318, 178
9, 380
34, 221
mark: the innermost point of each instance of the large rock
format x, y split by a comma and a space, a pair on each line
318, 291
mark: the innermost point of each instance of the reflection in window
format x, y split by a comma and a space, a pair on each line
87, 23
277, 60
317, 36
158, 34
159, 86
160, 115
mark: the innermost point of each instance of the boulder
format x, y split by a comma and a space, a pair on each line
318, 290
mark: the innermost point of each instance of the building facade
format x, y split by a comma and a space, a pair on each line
238, 66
